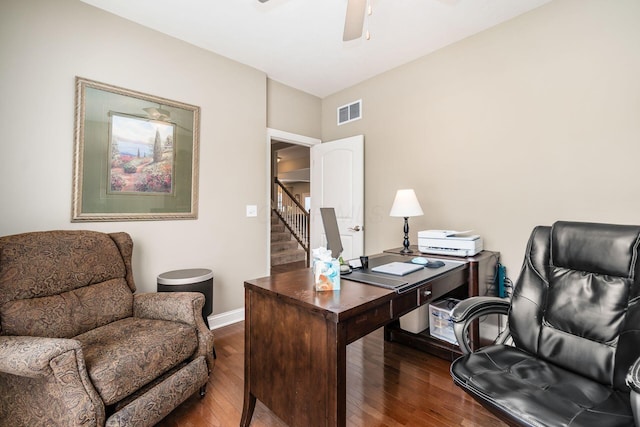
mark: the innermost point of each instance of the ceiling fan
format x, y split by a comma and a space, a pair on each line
354, 20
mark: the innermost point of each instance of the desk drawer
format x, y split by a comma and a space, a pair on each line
368, 322
404, 303
425, 295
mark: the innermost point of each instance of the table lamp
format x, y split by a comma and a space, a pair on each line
405, 205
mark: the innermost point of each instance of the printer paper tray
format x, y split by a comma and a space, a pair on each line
445, 251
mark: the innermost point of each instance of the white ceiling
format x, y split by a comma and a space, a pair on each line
299, 42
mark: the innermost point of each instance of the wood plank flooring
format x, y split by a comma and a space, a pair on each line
388, 385
282, 268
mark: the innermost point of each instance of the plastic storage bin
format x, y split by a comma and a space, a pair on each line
190, 280
440, 323
416, 321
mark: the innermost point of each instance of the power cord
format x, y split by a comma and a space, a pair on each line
508, 287
492, 281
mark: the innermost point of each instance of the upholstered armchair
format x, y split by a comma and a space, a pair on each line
79, 348
574, 327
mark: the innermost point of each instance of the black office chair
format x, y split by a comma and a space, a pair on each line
574, 322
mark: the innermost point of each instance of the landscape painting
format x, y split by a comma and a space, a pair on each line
141, 155
135, 155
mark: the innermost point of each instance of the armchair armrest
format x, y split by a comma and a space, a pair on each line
48, 383
471, 309
185, 307
31, 356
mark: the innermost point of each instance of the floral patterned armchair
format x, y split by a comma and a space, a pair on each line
79, 348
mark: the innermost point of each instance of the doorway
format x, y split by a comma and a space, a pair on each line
288, 191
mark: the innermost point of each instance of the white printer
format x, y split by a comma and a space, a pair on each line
449, 242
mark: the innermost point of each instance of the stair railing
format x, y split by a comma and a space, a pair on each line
294, 216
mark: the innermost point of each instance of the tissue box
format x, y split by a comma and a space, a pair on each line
327, 275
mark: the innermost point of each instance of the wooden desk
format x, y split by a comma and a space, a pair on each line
296, 340
479, 280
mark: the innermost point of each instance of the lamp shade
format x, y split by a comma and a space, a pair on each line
406, 204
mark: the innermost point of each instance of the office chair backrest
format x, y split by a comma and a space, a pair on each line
576, 300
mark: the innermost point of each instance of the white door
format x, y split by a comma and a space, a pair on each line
337, 181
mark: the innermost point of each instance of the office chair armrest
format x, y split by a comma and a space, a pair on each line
471, 309
633, 381
633, 376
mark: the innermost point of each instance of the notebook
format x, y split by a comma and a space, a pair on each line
397, 268
377, 280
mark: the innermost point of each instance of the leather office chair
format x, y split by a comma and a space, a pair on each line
574, 321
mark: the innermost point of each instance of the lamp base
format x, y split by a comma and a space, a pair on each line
405, 243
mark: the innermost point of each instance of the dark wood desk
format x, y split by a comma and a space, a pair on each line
296, 340
479, 281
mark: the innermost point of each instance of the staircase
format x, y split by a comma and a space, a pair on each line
284, 248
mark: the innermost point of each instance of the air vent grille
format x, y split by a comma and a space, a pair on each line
350, 112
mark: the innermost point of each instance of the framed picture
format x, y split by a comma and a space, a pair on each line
135, 155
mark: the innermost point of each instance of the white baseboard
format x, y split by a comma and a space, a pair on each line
227, 318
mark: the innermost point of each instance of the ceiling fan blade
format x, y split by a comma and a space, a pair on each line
354, 21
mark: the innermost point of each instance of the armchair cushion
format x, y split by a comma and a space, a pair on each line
123, 356
47, 263
69, 313
60, 284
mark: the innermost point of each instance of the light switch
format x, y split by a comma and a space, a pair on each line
252, 210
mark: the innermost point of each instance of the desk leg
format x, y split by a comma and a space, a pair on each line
337, 376
249, 399
247, 409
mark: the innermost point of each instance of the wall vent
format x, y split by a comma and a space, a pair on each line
350, 112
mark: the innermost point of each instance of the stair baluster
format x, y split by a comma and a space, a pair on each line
294, 216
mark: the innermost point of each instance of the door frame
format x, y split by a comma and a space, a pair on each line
291, 138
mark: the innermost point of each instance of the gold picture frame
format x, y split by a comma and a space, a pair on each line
135, 155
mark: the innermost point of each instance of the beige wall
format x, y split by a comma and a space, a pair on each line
532, 121
294, 164
299, 188
43, 46
292, 110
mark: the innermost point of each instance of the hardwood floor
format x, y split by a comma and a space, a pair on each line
282, 268
388, 385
